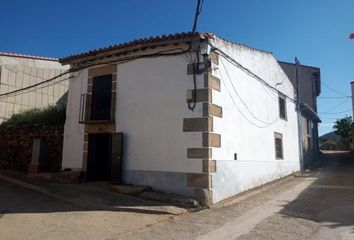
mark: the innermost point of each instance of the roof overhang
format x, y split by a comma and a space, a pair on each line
309, 113
135, 45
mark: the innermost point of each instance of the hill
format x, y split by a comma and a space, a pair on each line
331, 141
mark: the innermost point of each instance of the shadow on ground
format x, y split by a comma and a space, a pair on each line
330, 198
73, 197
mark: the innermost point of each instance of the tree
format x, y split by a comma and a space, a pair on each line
343, 128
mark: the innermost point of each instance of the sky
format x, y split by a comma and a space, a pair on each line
315, 31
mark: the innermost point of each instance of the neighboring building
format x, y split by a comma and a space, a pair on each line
352, 86
310, 88
242, 133
19, 71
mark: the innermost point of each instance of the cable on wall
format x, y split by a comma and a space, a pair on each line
248, 71
195, 64
242, 101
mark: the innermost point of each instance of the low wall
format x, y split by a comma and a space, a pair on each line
16, 146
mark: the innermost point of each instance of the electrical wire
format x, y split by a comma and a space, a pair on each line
195, 64
242, 101
336, 112
334, 97
34, 85
83, 66
237, 108
198, 11
336, 106
36, 88
248, 71
333, 89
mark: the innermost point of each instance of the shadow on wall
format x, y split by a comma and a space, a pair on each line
329, 198
63, 100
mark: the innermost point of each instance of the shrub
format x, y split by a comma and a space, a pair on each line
49, 116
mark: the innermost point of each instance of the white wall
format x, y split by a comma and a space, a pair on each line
73, 131
251, 139
151, 105
17, 73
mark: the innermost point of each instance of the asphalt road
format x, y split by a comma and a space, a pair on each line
315, 206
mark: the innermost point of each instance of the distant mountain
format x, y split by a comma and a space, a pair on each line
331, 136
331, 141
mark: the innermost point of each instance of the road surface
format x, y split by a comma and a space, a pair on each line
316, 206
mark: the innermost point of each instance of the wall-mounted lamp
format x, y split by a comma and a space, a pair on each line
205, 48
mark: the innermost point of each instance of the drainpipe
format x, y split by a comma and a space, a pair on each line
298, 110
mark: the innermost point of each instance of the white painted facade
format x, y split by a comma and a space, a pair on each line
251, 137
152, 103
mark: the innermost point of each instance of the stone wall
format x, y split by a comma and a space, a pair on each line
16, 146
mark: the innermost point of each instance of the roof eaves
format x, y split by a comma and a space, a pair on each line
19, 55
137, 44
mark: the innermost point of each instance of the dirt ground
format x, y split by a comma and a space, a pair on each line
314, 206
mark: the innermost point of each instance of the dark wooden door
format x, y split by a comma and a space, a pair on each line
104, 161
98, 162
116, 157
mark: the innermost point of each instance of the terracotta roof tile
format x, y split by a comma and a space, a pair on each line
149, 40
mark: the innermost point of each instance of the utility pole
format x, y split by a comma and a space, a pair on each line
298, 110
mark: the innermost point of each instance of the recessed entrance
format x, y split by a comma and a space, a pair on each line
104, 161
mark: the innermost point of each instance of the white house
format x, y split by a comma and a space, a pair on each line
133, 116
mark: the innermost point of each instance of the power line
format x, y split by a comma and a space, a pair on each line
198, 11
333, 89
234, 103
336, 106
334, 97
35, 85
248, 71
36, 88
193, 102
243, 102
122, 60
336, 112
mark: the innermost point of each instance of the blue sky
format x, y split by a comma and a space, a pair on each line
316, 31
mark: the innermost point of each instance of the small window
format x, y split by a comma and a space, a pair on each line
282, 106
278, 142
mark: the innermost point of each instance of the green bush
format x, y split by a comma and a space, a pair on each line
49, 116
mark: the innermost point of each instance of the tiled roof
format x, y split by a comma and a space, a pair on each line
8, 54
141, 41
149, 42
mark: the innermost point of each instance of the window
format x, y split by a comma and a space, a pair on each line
278, 142
101, 98
282, 106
